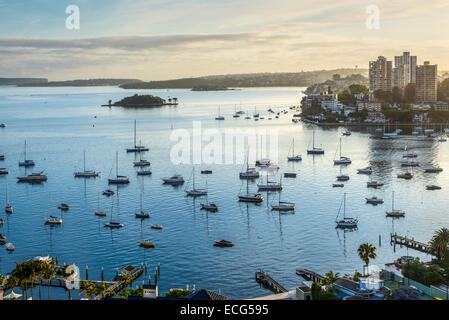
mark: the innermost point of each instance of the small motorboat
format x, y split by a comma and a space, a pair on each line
374, 183
10, 247
156, 226
196, 193
367, 170
410, 155
33, 178
433, 187
100, 213
289, 175
113, 225
347, 133
174, 180
250, 173
442, 139
342, 177
410, 164
147, 244
2, 157
142, 163
374, 200
251, 197
3, 125
63, 207
4, 171
206, 171
212, 207
8, 209
338, 185
223, 243
53, 220
1, 222
433, 169
144, 172
407, 175
119, 180
108, 192
342, 160
142, 215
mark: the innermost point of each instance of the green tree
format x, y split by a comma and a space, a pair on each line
432, 278
178, 293
439, 243
48, 273
410, 93
358, 88
396, 95
366, 252
382, 96
330, 278
414, 270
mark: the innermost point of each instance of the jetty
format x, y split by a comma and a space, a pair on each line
409, 242
269, 282
310, 275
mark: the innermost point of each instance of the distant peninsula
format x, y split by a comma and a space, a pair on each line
143, 101
80, 83
21, 81
210, 88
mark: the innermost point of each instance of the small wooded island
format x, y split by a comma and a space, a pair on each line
137, 101
210, 88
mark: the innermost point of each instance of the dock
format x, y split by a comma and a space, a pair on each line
310, 275
269, 282
409, 242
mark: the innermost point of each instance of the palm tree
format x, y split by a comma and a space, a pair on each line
330, 278
439, 243
366, 252
48, 273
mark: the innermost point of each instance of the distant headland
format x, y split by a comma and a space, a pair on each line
211, 88
142, 101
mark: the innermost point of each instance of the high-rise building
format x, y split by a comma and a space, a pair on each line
380, 75
404, 71
426, 82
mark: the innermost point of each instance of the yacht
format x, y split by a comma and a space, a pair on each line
407, 175
219, 117
136, 147
347, 133
250, 197
118, 179
394, 212
176, 179
140, 213
144, 172
86, 173
433, 169
108, 192
142, 163
53, 220
4, 171
410, 164
99, 212
293, 156
212, 207
342, 160
156, 226
33, 178
223, 243
26, 162
3, 125
195, 192
113, 224
345, 223
433, 187
367, 170
147, 244
10, 247
63, 207
8, 207
374, 200
314, 150
269, 185
283, 206
342, 177
374, 183
2, 157
338, 185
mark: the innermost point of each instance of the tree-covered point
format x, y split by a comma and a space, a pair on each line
178, 293
210, 88
144, 101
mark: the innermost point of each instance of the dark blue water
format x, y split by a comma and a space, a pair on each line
59, 123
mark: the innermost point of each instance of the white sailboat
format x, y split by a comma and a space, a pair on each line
283, 206
113, 224
118, 179
250, 173
314, 150
195, 192
26, 162
136, 147
250, 197
342, 160
293, 156
51, 220
142, 162
212, 207
86, 173
394, 212
219, 117
345, 223
8, 206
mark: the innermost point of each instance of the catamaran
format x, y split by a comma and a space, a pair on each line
33, 178
394, 212
136, 147
294, 157
176, 179
26, 162
142, 214
342, 160
86, 173
345, 222
8, 206
314, 150
118, 179
195, 192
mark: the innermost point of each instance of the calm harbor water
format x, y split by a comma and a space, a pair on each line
59, 123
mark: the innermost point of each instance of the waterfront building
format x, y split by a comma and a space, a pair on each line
404, 71
441, 106
380, 75
426, 82
369, 106
328, 100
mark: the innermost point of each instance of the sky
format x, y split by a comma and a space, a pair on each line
167, 39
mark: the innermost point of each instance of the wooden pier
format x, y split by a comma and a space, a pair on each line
269, 282
119, 286
409, 242
310, 275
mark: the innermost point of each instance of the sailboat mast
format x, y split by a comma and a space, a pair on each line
116, 164
25, 153
6, 194
135, 124
340, 148
313, 140
344, 206
84, 160
392, 203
